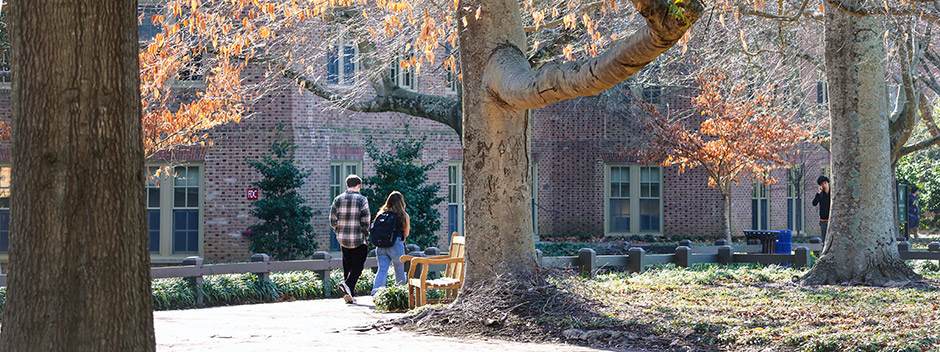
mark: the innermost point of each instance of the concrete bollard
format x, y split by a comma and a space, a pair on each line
196, 280
683, 256
725, 255
325, 273
636, 260
801, 258
904, 246
263, 275
935, 248
721, 242
432, 251
587, 260
411, 248
538, 258
685, 243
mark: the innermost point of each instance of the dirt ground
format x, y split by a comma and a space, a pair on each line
326, 324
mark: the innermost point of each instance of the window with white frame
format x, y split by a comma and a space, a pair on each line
534, 174
454, 197
633, 192
826, 170
342, 63
822, 93
404, 77
760, 207
451, 81
795, 199
339, 170
174, 210
5, 173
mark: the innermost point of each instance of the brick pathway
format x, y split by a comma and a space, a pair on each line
322, 325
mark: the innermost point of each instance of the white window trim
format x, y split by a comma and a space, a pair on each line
343, 164
534, 175
458, 165
395, 72
634, 200
756, 187
801, 196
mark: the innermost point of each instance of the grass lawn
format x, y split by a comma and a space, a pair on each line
750, 308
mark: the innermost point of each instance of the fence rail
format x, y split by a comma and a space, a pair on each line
587, 261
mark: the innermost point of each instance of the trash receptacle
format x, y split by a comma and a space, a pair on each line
784, 242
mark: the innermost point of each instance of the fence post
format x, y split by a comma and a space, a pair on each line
432, 251
683, 256
265, 275
636, 260
587, 260
801, 258
325, 273
725, 255
935, 248
721, 242
196, 280
538, 258
904, 246
685, 243
815, 240
408, 263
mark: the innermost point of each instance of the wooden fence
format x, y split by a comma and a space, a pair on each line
587, 261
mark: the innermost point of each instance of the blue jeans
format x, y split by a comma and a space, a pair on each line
389, 255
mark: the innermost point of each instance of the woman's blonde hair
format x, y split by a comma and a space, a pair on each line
395, 204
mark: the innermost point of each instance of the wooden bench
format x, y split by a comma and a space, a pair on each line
451, 279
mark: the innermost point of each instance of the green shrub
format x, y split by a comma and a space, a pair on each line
393, 298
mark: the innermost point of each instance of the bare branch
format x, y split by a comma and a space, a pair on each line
774, 17
561, 21
860, 11
920, 145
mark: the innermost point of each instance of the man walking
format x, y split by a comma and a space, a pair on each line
822, 200
350, 218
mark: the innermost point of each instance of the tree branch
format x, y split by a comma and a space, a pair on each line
547, 52
774, 17
431, 107
509, 77
920, 145
860, 11
561, 21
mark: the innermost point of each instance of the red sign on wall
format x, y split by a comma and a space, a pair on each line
252, 194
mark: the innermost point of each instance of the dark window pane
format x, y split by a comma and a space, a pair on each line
452, 218
332, 66
619, 215
5, 202
349, 64
185, 231
153, 197
649, 215
4, 230
179, 197
754, 224
192, 197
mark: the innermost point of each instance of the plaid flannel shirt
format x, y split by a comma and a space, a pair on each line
350, 217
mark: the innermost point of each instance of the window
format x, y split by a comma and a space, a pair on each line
339, 170
822, 93
649, 199
450, 82
534, 175
795, 199
186, 209
342, 63
146, 30
403, 77
153, 208
192, 70
633, 189
454, 197
5, 173
760, 211
653, 94
174, 210
826, 170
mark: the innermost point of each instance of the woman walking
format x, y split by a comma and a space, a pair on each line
393, 210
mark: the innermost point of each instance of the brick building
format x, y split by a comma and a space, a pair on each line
583, 182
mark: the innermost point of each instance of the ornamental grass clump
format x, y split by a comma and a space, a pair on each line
393, 298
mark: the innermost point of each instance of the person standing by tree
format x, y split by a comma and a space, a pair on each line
397, 225
913, 212
822, 200
350, 218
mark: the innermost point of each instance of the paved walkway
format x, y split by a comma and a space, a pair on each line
323, 325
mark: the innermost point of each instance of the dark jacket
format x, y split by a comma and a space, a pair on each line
913, 211
822, 199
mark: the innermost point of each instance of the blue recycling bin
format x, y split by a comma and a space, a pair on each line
784, 244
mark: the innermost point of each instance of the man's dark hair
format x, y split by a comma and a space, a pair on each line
821, 179
914, 189
353, 181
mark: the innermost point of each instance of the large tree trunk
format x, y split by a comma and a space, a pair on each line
498, 89
860, 246
79, 277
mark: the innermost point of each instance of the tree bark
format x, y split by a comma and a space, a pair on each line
79, 275
726, 214
499, 86
860, 247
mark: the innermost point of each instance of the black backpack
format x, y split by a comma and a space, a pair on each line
385, 229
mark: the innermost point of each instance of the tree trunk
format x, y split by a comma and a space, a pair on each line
860, 246
79, 275
499, 87
726, 214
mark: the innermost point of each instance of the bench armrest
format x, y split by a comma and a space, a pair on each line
407, 258
435, 261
